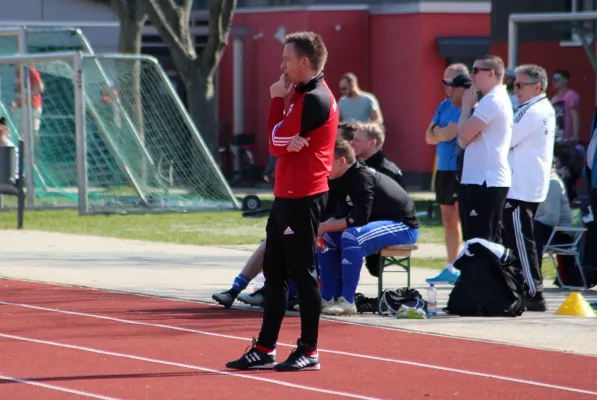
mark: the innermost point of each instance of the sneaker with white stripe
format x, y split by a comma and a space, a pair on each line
254, 359
301, 359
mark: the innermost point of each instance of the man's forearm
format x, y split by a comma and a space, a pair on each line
335, 225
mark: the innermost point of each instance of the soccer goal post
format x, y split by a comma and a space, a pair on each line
113, 136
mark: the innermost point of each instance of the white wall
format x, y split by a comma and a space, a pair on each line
67, 12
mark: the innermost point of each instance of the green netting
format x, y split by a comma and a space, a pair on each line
141, 151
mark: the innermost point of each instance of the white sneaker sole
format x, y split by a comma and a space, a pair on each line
264, 366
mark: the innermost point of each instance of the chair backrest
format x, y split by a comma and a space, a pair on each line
570, 248
8, 164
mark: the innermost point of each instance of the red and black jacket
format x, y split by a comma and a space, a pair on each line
312, 112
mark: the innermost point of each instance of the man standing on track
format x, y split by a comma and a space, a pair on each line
302, 138
486, 136
531, 157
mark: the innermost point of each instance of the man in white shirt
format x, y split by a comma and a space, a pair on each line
531, 158
486, 136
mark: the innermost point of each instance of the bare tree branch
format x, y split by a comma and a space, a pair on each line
164, 16
220, 21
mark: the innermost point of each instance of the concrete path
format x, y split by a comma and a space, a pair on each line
195, 272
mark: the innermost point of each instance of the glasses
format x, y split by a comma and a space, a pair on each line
477, 69
519, 85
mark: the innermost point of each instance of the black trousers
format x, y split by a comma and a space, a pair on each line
590, 254
291, 232
482, 210
519, 236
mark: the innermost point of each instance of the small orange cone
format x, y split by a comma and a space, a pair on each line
576, 306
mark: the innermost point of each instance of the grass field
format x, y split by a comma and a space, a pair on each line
203, 228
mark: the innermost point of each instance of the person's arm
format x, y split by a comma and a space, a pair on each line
469, 126
446, 133
375, 111
553, 204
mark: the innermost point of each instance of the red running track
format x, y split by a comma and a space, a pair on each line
96, 344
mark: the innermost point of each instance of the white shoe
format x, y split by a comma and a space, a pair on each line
253, 299
324, 304
340, 307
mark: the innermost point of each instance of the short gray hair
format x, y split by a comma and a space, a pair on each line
459, 68
535, 74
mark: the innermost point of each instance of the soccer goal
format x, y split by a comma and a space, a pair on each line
112, 136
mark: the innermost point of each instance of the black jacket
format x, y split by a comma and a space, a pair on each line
365, 195
383, 164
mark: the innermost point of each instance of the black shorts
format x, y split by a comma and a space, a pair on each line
447, 184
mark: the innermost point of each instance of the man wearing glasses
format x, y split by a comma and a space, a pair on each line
486, 136
531, 157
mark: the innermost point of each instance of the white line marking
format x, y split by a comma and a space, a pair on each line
59, 388
343, 353
188, 366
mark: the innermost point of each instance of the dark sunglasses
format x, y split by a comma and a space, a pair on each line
519, 85
477, 69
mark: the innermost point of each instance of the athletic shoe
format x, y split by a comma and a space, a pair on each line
225, 298
445, 277
253, 299
254, 359
324, 304
303, 358
340, 307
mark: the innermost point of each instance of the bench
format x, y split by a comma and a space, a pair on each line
398, 256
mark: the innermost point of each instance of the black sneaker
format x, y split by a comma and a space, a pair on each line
536, 303
300, 360
225, 298
254, 359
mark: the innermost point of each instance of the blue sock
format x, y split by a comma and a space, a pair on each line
329, 271
352, 262
240, 283
291, 289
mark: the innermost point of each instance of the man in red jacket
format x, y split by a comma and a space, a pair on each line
302, 137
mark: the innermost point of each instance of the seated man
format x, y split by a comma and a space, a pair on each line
373, 212
367, 143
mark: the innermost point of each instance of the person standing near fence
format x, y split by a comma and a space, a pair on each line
302, 137
531, 158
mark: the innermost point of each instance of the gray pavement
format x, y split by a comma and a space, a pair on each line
195, 272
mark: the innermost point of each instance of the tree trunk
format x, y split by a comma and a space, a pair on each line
203, 107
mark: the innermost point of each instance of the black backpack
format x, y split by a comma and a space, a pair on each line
488, 285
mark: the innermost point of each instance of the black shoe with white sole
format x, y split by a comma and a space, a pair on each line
303, 358
254, 359
225, 298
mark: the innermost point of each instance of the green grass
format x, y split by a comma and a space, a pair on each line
203, 228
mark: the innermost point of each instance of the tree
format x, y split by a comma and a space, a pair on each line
132, 17
197, 71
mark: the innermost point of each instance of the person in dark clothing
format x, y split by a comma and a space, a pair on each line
367, 143
374, 212
302, 138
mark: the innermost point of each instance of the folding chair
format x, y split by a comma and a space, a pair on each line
571, 248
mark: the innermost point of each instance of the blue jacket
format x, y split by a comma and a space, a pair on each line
593, 182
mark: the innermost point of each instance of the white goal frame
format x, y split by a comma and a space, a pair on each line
77, 59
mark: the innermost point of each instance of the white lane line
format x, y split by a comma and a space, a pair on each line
343, 353
53, 387
187, 366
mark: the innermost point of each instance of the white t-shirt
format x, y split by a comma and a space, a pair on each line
486, 159
531, 154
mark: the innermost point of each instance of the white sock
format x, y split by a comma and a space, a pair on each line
451, 268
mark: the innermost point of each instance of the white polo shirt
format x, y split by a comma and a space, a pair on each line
531, 150
486, 159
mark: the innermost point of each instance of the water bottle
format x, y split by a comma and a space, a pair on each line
321, 246
431, 300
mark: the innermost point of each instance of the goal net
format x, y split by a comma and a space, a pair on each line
142, 149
